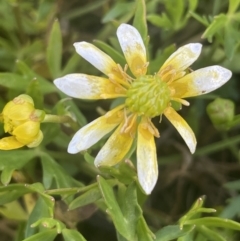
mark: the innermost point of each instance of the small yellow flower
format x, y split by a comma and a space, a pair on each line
22, 121
146, 96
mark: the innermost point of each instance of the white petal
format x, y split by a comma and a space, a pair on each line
182, 127
114, 150
94, 131
204, 80
96, 57
183, 57
133, 48
84, 86
147, 166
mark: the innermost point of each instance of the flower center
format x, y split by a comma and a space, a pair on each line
148, 95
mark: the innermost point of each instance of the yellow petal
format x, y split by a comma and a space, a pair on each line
182, 127
18, 112
10, 143
147, 166
133, 48
37, 140
114, 150
84, 86
96, 57
202, 81
183, 57
27, 132
95, 130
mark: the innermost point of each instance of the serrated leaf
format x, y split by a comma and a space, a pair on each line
48, 235
72, 235
54, 50
172, 232
13, 160
88, 197
217, 24
53, 171
202, 19
139, 21
113, 208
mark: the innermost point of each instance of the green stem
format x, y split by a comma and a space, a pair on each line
61, 119
206, 150
217, 146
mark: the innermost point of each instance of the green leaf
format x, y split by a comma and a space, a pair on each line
130, 208
231, 40
217, 24
49, 223
13, 160
115, 55
233, 6
39, 211
34, 91
175, 10
88, 197
172, 232
210, 234
192, 4
48, 235
72, 64
88, 158
113, 208
214, 222
119, 9
13, 81
53, 171
29, 74
82, 10
72, 235
201, 19
139, 21
232, 209
54, 50
143, 231
161, 21
13, 211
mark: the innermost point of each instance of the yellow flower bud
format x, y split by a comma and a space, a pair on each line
22, 121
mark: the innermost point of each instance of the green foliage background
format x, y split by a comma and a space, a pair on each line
36, 40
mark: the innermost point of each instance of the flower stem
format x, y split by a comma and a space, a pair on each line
61, 119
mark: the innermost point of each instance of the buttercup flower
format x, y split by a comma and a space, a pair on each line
22, 121
146, 96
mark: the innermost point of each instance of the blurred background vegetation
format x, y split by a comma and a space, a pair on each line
36, 46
